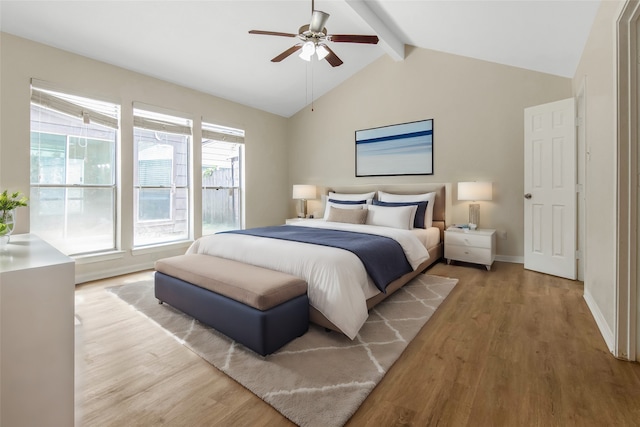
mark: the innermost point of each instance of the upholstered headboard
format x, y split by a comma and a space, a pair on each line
441, 207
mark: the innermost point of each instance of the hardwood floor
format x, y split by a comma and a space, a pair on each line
508, 347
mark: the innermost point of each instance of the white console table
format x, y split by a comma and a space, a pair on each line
37, 284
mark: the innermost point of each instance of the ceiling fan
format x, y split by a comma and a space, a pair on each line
314, 39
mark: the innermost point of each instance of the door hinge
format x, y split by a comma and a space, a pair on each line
579, 188
578, 254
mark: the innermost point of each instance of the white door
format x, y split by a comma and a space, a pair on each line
550, 188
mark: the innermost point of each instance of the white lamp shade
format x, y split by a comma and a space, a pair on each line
307, 51
475, 191
304, 192
322, 52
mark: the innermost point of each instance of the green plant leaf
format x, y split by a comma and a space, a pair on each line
11, 201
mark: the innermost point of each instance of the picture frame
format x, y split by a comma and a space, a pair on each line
401, 149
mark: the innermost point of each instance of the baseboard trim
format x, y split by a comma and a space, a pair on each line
112, 272
605, 331
511, 259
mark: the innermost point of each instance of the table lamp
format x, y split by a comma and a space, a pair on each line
474, 191
304, 193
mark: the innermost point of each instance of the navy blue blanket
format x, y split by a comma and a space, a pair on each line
383, 257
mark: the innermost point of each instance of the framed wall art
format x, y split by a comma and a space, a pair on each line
403, 149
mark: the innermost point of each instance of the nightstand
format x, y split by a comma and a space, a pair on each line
475, 246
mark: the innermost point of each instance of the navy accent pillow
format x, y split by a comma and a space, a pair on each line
418, 221
348, 202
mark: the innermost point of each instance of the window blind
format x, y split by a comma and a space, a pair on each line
75, 107
160, 122
221, 133
160, 126
219, 136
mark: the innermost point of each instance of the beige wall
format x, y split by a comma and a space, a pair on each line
597, 69
477, 107
267, 183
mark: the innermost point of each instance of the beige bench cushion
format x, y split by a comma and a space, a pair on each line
254, 286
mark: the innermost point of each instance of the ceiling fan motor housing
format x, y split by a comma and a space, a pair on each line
318, 19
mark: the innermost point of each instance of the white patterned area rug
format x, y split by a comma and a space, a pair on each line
321, 378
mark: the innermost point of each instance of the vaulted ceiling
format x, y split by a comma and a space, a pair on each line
205, 45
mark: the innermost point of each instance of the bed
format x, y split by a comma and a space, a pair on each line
340, 290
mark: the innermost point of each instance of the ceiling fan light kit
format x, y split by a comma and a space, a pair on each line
309, 48
313, 37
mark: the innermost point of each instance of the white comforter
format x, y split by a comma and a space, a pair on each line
338, 282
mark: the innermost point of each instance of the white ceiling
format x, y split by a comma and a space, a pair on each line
205, 45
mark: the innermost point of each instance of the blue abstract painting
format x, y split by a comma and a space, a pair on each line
404, 149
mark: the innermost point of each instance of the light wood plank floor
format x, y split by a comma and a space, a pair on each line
508, 347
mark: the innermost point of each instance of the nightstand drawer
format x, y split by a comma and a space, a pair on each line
474, 255
468, 239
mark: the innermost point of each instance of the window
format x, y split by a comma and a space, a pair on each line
161, 177
73, 170
222, 162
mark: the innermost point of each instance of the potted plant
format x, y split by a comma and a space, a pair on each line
8, 205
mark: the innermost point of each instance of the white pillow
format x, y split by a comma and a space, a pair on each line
391, 216
352, 197
426, 197
327, 208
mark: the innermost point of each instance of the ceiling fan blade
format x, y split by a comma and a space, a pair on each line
318, 19
272, 33
353, 38
332, 58
287, 52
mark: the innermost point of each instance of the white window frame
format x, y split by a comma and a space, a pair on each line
214, 132
158, 119
91, 110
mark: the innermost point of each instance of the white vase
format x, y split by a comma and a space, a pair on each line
7, 224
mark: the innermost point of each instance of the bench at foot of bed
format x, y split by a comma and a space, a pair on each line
259, 308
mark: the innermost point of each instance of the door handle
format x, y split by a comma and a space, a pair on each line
527, 196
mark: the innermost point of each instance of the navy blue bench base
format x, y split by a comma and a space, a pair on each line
262, 331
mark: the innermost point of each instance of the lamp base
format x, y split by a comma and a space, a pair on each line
302, 213
474, 214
